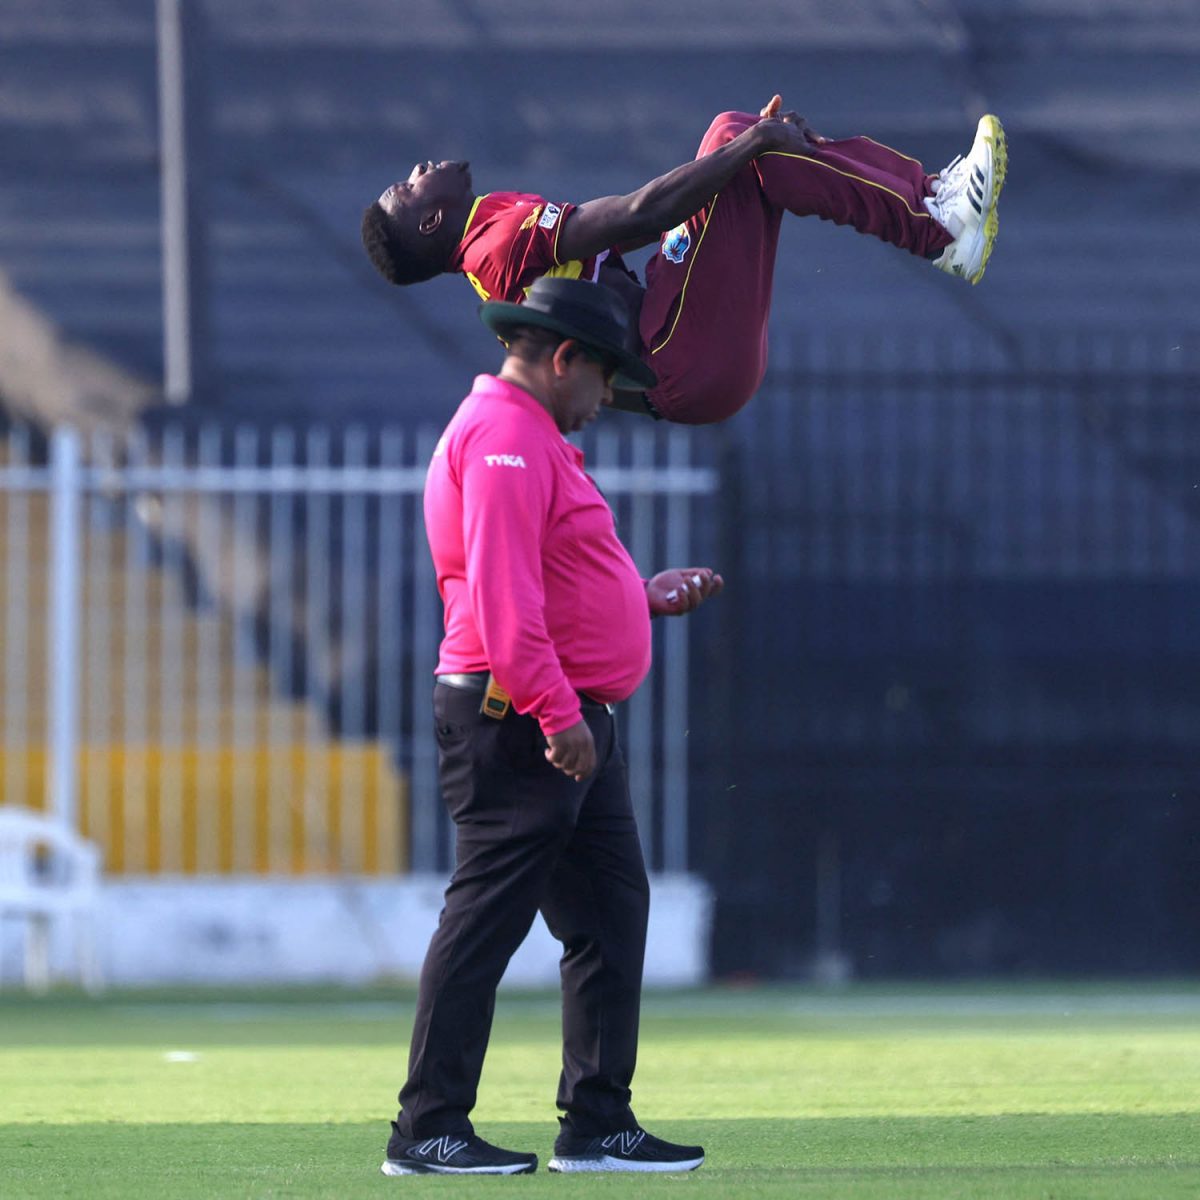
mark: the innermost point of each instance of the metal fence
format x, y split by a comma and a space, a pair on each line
983, 546
218, 644
971, 736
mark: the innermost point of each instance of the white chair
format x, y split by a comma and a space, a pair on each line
48, 873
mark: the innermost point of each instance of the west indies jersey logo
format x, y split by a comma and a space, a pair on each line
676, 244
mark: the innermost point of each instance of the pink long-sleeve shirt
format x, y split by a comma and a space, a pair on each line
536, 585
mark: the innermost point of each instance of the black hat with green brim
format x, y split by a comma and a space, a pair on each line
590, 313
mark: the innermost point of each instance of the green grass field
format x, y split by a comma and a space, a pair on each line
1065, 1092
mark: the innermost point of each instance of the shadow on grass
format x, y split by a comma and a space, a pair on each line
1071, 1157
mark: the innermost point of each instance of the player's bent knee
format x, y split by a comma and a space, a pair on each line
725, 127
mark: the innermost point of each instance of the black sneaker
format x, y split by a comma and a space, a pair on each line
452, 1154
628, 1150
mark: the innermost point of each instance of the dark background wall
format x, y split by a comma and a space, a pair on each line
946, 714
963, 732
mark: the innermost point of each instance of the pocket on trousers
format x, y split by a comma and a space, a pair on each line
520, 743
450, 734
455, 715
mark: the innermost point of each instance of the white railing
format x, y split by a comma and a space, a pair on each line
218, 645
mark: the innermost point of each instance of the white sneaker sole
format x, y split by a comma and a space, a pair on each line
992, 132
567, 1166
391, 1167
967, 256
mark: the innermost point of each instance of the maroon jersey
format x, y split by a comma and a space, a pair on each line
511, 239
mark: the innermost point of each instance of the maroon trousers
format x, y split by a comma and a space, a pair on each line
708, 289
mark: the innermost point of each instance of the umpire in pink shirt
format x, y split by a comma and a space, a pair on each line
547, 627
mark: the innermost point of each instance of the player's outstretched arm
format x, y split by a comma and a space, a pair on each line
670, 199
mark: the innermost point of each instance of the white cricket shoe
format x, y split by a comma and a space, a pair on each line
965, 202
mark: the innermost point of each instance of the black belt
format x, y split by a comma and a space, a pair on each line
476, 681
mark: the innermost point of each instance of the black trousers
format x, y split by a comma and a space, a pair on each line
529, 838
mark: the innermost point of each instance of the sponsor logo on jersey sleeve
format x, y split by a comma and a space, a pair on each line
504, 460
676, 244
531, 220
550, 216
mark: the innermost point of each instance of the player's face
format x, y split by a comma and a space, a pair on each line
430, 185
585, 386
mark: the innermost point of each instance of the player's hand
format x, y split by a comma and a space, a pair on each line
572, 750
787, 131
682, 589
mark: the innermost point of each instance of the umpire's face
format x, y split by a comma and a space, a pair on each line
582, 383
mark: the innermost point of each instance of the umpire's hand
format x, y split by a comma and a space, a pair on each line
572, 751
682, 589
